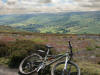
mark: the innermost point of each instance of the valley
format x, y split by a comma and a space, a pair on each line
66, 22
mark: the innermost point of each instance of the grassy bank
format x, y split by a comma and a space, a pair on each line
11, 53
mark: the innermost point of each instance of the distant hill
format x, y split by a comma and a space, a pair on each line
9, 29
69, 22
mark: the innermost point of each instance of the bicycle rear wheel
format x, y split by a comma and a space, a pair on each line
72, 69
30, 64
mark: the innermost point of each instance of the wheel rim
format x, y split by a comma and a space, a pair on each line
30, 64
71, 69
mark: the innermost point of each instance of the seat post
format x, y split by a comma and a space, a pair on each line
47, 53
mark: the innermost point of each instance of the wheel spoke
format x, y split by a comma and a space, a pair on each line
69, 70
72, 69
30, 64
62, 72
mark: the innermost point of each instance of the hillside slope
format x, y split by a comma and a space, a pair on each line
9, 29
69, 22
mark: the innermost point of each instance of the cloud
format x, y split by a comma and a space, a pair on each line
92, 4
1, 3
29, 6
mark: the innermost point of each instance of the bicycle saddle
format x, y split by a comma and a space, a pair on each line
48, 46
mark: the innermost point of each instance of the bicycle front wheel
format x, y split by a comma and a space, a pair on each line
72, 69
30, 64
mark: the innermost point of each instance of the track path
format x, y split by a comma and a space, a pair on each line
7, 71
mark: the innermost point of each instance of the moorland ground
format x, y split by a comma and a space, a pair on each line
14, 46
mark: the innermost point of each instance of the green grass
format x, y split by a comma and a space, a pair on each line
88, 68
89, 48
38, 40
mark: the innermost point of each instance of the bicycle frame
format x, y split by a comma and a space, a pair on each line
67, 55
29, 66
57, 58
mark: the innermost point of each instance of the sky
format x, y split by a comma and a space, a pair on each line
31, 6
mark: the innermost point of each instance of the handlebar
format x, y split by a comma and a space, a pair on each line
70, 47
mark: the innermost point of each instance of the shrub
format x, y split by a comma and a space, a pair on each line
97, 46
3, 50
16, 58
99, 62
16, 51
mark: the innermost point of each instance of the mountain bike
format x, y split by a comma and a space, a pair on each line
35, 63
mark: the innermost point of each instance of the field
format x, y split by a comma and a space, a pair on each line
14, 46
66, 22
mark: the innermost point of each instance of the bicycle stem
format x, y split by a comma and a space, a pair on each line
71, 52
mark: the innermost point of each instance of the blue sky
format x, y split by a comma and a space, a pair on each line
4, 1
62, 1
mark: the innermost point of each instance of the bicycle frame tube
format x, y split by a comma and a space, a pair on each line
60, 57
56, 59
47, 55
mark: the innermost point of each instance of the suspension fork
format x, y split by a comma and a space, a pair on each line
40, 67
65, 67
66, 61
